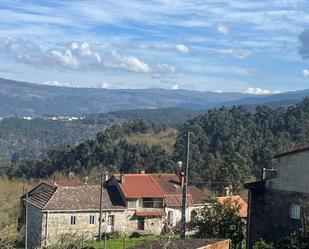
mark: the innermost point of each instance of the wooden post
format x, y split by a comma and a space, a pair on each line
184, 192
26, 221
124, 243
101, 207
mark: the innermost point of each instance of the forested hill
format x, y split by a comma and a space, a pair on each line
22, 139
226, 145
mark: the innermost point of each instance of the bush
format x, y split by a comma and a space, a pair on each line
262, 245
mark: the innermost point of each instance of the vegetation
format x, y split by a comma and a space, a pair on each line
297, 240
228, 146
10, 192
220, 220
22, 139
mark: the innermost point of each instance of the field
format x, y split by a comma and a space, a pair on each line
10, 193
119, 243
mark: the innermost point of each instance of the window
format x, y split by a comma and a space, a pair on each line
132, 203
295, 211
170, 218
152, 203
91, 219
73, 220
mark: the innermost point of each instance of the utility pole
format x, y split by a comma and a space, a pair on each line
184, 192
26, 221
101, 205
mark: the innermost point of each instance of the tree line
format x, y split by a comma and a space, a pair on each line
228, 145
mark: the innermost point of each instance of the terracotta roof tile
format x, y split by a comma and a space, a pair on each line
170, 185
154, 213
175, 200
235, 201
74, 196
139, 186
65, 182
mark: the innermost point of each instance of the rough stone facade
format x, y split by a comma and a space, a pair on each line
57, 225
271, 200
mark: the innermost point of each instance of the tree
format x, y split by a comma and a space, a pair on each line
220, 220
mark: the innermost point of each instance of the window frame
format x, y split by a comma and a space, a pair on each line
73, 220
295, 211
91, 219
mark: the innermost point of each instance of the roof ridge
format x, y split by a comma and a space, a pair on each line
157, 184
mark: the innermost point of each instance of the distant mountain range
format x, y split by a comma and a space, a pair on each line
28, 99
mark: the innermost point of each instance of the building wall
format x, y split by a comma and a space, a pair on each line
34, 226
58, 225
293, 173
153, 225
270, 214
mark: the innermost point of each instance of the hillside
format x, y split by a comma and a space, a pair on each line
228, 146
26, 99
22, 139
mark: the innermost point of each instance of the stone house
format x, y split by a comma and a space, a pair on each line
131, 202
65, 209
279, 203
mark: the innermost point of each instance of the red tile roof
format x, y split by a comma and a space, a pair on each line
175, 200
153, 213
139, 186
235, 201
170, 185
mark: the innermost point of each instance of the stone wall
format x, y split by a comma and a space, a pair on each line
59, 226
153, 225
270, 214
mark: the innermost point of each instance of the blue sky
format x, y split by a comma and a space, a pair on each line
245, 46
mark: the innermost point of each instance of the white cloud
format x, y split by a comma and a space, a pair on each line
66, 59
84, 49
240, 54
306, 73
166, 48
182, 48
127, 62
57, 83
222, 29
105, 85
74, 56
257, 90
164, 69
175, 87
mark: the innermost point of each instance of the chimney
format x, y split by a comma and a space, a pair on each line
142, 172
182, 179
122, 177
227, 191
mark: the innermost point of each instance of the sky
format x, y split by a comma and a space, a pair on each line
207, 45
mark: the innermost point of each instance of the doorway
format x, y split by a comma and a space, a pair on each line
141, 223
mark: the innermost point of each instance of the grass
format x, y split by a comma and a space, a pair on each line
118, 243
165, 138
10, 193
